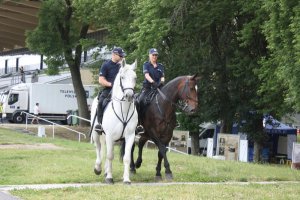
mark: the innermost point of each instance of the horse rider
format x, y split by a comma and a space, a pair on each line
107, 75
154, 77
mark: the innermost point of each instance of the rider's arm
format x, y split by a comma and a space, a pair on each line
148, 77
104, 82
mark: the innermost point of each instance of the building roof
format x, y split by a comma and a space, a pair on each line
16, 17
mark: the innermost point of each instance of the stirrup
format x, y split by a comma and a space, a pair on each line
99, 129
140, 129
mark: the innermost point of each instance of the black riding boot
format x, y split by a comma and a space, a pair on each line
98, 127
139, 104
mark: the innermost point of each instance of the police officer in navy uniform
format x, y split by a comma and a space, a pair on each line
107, 75
154, 78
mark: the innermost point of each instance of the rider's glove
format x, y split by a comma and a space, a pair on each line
161, 84
154, 85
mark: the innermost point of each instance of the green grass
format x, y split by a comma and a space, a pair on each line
174, 192
74, 164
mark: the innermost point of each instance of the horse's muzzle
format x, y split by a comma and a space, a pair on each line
189, 110
129, 95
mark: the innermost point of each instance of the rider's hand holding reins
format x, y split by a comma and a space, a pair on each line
154, 85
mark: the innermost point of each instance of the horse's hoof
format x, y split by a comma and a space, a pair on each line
109, 181
138, 164
169, 177
127, 183
132, 171
97, 172
158, 178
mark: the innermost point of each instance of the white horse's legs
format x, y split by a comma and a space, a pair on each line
109, 159
99, 153
127, 158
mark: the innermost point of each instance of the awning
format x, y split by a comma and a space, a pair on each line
273, 126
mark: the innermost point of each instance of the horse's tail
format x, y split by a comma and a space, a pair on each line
122, 149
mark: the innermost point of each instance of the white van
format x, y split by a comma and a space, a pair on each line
207, 130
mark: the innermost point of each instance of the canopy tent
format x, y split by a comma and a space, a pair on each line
273, 126
281, 135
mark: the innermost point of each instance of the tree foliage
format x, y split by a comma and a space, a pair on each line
281, 30
247, 52
59, 35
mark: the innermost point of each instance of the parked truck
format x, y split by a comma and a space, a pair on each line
54, 100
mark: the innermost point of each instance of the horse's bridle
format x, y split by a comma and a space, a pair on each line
185, 88
123, 89
178, 105
123, 119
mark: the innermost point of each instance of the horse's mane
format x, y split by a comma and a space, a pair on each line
172, 83
125, 68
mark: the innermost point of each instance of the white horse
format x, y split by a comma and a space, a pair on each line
120, 119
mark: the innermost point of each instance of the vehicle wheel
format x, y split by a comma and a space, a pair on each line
64, 122
18, 118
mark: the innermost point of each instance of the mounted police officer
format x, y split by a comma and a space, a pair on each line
107, 75
154, 78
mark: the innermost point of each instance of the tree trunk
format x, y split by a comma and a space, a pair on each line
74, 65
78, 86
194, 143
80, 94
257, 148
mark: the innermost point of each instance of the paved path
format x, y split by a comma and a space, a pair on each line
4, 189
7, 196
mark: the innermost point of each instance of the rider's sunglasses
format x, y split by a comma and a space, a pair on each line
155, 55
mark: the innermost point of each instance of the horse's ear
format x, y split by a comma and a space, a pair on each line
123, 63
134, 65
195, 77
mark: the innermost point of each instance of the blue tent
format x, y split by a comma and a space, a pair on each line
273, 126
280, 132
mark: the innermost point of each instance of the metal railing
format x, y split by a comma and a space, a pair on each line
78, 118
169, 147
53, 125
137, 136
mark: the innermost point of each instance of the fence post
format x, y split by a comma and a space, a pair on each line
53, 131
26, 122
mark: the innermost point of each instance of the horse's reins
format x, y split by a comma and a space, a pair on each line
123, 89
123, 120
175, 104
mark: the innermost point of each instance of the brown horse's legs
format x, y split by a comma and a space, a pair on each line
141, 144
132, 165
158, 166
163, 151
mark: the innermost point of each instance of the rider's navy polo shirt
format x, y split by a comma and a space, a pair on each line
155, 73
109, 70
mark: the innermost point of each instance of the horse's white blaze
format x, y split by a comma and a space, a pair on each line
120, 109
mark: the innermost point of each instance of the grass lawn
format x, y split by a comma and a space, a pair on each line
73, 162
174, 192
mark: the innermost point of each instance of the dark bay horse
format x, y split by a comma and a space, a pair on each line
159, 120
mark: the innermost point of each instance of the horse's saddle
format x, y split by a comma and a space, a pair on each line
106, 101
143, 100
148, 97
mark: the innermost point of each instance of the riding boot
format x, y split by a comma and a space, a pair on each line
139, 129
98, 127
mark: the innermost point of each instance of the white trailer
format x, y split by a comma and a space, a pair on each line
54, 100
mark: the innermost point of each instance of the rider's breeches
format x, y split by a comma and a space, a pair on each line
100, 108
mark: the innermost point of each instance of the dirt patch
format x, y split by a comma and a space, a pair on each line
43, 146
